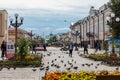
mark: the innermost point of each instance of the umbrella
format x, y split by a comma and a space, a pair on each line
116, 40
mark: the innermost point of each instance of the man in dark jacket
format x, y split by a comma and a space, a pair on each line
70, 47
44, 46
3, 49
85, 49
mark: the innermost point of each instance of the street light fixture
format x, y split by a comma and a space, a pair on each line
111, 21
16, 24
69, 35
76, 33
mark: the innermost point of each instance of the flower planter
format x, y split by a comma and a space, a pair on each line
108, 77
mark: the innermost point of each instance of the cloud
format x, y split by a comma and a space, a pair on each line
30, 28
59, 5
63, 29
47, 15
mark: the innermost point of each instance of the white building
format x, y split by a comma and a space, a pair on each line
93, 27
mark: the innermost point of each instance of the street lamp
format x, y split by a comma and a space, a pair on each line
16, 24
31, 40
111, 20
69, 36
76, 33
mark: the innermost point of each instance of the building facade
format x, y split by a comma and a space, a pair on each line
21, 34
93, 28
3, 25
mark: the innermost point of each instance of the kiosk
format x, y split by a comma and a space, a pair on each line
10, 52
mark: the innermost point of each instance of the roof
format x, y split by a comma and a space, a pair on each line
19, 30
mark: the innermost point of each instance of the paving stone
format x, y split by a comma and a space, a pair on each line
55, 53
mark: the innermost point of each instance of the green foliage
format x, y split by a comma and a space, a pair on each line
105, 46
23, 48
118, 46
115, 7
42, 40
20, 63
51, 39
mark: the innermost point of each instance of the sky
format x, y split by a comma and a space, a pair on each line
46, 16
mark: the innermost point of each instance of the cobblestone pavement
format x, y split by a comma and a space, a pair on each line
54, 60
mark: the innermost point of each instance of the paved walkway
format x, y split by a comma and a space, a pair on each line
55, 60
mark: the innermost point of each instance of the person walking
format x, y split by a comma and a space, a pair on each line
3, 49
96, 46
33, 48
44, 46
70, 47
85, 49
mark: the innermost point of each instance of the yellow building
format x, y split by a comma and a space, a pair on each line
3, 25
20, 32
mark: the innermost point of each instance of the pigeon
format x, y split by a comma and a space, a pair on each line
52, 64
71, 65
88, 65
91, 63
55, 59
64, 65
98, 64
8, 67
52, 61
75, 62
75, 67
101, 63
68, 62
68, 69
72, 60
47, 68
117, 68
57, 66
48, 54
34, 69
14, 67
95, 67
83, 65
42, 68
62, 61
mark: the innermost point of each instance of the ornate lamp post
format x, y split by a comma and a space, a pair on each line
111, 21
76, 33
31, 40
80, 35
69, 35
16, 24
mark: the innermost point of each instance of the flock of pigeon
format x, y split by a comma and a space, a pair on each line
60, 62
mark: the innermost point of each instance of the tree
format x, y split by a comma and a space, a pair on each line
118, 46
115, 8
105, 47
52, 39
23, 46
42, 40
